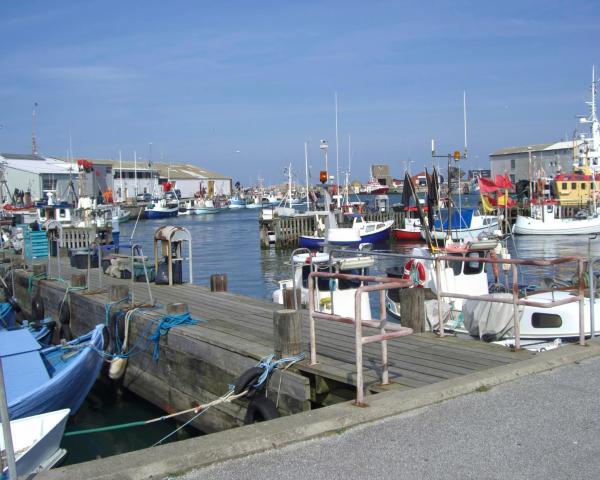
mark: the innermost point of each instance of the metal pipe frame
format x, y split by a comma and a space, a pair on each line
382, 284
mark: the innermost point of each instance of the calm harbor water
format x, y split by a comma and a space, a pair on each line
228, 242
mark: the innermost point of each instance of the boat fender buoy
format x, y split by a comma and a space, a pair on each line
247, 379
65, 333
65, 314
495, 268
414, 270
37, 308
260, 409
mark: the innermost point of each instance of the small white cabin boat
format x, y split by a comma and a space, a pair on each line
36, 441
545, 219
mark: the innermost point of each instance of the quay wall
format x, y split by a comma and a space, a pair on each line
196, 365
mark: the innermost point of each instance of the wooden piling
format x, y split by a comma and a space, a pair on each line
218, 282
412, 308
79, 280
117, 292
178, 307
288, 298
39, 268
287, 333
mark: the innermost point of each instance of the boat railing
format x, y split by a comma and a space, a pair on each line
516, 300
507, 264
386, 330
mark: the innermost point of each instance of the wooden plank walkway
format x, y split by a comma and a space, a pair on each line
245, 323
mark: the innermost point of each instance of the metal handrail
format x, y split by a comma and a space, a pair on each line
382, 284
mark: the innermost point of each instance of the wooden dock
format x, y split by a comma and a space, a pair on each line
197, 363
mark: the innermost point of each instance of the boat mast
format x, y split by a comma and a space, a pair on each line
135, 173
306, 174
121, 177
337, 155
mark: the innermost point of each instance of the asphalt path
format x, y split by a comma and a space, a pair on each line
544, 426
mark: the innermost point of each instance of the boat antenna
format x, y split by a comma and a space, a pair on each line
306, 175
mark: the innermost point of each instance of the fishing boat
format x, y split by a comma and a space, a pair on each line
465, 224
333, 296
545, 219
161, 208
373, 187
36, 441
39, 380
237, 201
411, 231
209, 206
361, 231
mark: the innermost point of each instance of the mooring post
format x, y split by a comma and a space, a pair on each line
287, 332
289, 302
412, 308
79, 280
218, 282
178, 307
39, 269
118, 292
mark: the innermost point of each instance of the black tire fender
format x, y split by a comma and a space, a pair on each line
260, 409
65, 313
247, 379
37, 308
65, 333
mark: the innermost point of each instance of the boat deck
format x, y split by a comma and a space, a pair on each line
245, 325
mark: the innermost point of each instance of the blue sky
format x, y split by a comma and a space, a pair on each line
238, 87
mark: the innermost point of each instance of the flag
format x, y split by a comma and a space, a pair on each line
504, 182
486, 185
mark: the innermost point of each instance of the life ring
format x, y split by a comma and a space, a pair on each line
418, 267
260, 409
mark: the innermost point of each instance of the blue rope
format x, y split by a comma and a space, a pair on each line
168, 322
5, 309
268, 365
109, 306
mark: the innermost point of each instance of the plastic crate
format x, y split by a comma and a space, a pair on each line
35, 244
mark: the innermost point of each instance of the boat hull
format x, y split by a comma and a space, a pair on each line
462, 233
166, 213
68, 386
533, 226
407, 235
310, 241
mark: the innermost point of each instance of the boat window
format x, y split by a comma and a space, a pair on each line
583, 186
549, 208
62, 213
573, 185
546, 320
42, 214
456, 266
564, 185
472, 268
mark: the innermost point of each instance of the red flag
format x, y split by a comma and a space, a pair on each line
504, 182
486, 185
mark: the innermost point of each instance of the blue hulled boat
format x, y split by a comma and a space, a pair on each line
40, 379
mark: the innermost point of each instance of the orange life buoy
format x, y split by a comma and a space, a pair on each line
415, 270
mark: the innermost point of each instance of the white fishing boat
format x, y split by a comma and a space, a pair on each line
333, 296
465, 224
545, 219
36, 441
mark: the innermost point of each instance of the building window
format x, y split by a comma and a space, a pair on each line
116, 174
512, 177
512, 163
49, 183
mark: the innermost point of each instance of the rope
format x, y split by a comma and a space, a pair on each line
268, 365
109, 305
31, 278
168, 322
199, 410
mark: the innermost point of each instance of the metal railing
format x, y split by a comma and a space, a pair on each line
386, 331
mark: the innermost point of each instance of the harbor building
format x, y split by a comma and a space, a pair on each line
381, 173
129, 179
36, 175
192, 179
545, 159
